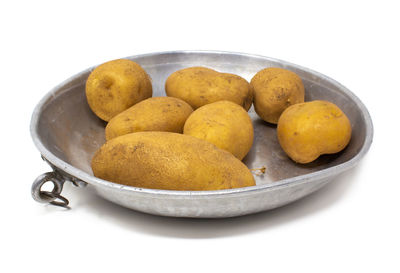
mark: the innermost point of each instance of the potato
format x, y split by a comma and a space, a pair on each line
275, 89
199, 86
115, 86
169, 161
225, 124
153, 114
308, 130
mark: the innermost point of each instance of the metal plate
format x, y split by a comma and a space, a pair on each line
67, 134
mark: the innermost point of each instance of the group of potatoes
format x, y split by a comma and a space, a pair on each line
196, 136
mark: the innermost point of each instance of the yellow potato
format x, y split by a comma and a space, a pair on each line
275, 89
153, 114
308, 130
115, 86
199, 86
224, 124
169, 161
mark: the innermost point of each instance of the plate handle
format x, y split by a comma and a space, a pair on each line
54, 196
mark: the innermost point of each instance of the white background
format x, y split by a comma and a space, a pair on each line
352, 225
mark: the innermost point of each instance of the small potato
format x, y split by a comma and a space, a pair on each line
199, 86
153, 114
169, 161
115, 86
275, 89
308, 130
225, 124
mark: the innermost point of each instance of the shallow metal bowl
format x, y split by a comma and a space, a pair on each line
67, 134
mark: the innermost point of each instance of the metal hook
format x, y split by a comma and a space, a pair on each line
49, 196
58, 178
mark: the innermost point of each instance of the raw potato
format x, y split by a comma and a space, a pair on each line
169, 161
153, 114
224, 124
275, 89
308, 130
115, 86
199, 86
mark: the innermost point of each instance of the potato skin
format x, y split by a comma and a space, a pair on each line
154, 114
169, 161
275, 89
308, 130
223, 123
199, 86
114, 86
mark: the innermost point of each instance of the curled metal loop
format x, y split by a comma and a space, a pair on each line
63, 201
49, 196
58, 178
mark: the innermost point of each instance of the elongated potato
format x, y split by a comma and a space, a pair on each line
223, 123
170, 161
199, 86
115, 86
154, 114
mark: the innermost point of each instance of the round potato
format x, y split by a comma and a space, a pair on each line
223, 123
153, 114
308, 130
275, 89
115, 86
199, 86
169, 161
